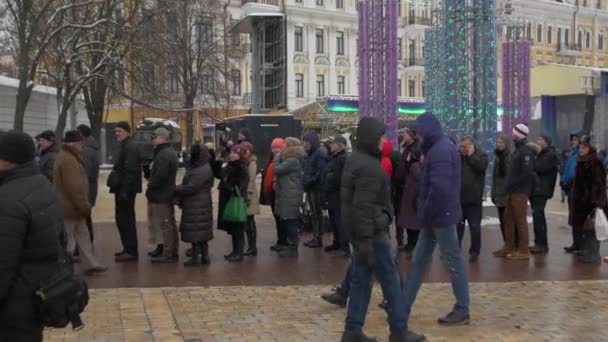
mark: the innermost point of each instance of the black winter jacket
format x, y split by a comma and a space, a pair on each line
125, 177
546, 166
473, 178
366, 190
333, 179
520, 177
31, 235
47, 161
233, 175
161, 184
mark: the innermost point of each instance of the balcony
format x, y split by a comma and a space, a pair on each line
415, 20
256, 7
412, 62
264, 2
570, 49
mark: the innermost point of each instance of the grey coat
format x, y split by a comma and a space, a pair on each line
91, 162
289, 172
47, 161
194, 196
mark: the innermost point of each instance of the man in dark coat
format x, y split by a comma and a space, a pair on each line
48, 150
518, 185
31, 233
546, 166
367, 214
160, 191
410, 155
439, 210
313, 173
474, 166
125, 183
91, 162
331, 187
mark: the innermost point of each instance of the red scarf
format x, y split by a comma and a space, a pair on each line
386, 162
268, 178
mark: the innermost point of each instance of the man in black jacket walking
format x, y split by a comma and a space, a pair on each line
31, 226
546, 166
367, 214
332, 181
474, 166
125, 183
161, 186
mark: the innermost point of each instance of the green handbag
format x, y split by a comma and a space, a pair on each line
236, 208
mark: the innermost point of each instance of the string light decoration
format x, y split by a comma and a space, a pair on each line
460, 54
377, 50
516, 83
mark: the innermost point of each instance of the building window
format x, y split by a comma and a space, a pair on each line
341, 85
588, 40
399, 87
549, 35
173, 80
235, 37
559, 36
299, 41
204, 31
539, 33
600, 41
319, 40
567, 37
320, 85
400, 47
340, 43
149, 78
236, 82
319, 2
580, 38
529, 31
339, 3
412, 88
423, 89
412, 51
207, 83
298, 1
299, 85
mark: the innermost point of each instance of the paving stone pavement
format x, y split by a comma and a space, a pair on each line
501, 312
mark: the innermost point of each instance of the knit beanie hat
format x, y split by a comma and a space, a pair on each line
521, 131
277, 143
124, 125
46, 135
16, 147
72, 137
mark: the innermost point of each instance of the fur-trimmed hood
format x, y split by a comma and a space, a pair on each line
294, 151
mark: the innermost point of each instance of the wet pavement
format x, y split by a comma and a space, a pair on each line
265, 298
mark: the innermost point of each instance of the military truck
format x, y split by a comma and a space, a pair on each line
143, 137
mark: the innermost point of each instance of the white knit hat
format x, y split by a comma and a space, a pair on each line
521, 131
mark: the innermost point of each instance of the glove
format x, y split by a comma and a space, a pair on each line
364, 251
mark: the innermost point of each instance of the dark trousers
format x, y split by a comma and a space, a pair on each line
281, 232
471, 214
538, 205
316, 213
292, 230
125, 220
577, 231
412, 238
21, 334
90, 227
337, 229
237, 231
252, 232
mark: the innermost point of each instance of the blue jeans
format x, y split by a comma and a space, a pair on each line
423, 254
471, 214
384, 268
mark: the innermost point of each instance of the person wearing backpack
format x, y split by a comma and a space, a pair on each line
31, 227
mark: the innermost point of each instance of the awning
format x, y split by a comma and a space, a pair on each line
247, 24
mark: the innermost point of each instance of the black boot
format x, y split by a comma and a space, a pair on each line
234, 243
205, 252
348, 336
197, 256
252, 233
239, 245
314, 243
157, 252
291, 251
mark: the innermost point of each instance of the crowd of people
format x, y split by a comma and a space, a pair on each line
365, 193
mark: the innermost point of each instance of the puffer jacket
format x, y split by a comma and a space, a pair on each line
366, 190
31, 236
232, 176
333, 179
72, 183
288, 170
47, 161
520, 177
546, 166
473, 177
194, 196
499, 177
161, 184
589, 189
253, 205
440, 177
125, 177
315, 163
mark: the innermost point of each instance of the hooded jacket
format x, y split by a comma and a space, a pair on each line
520, 177
91, 162
365, 190
288, 170
315, 163
439, 188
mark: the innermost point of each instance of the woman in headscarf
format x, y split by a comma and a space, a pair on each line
233, 176
194, 198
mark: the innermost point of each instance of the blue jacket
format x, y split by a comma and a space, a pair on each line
440, 176
315, 163
569, 171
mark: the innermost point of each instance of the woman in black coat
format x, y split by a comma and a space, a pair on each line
588, 193
232, 176
194, 197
